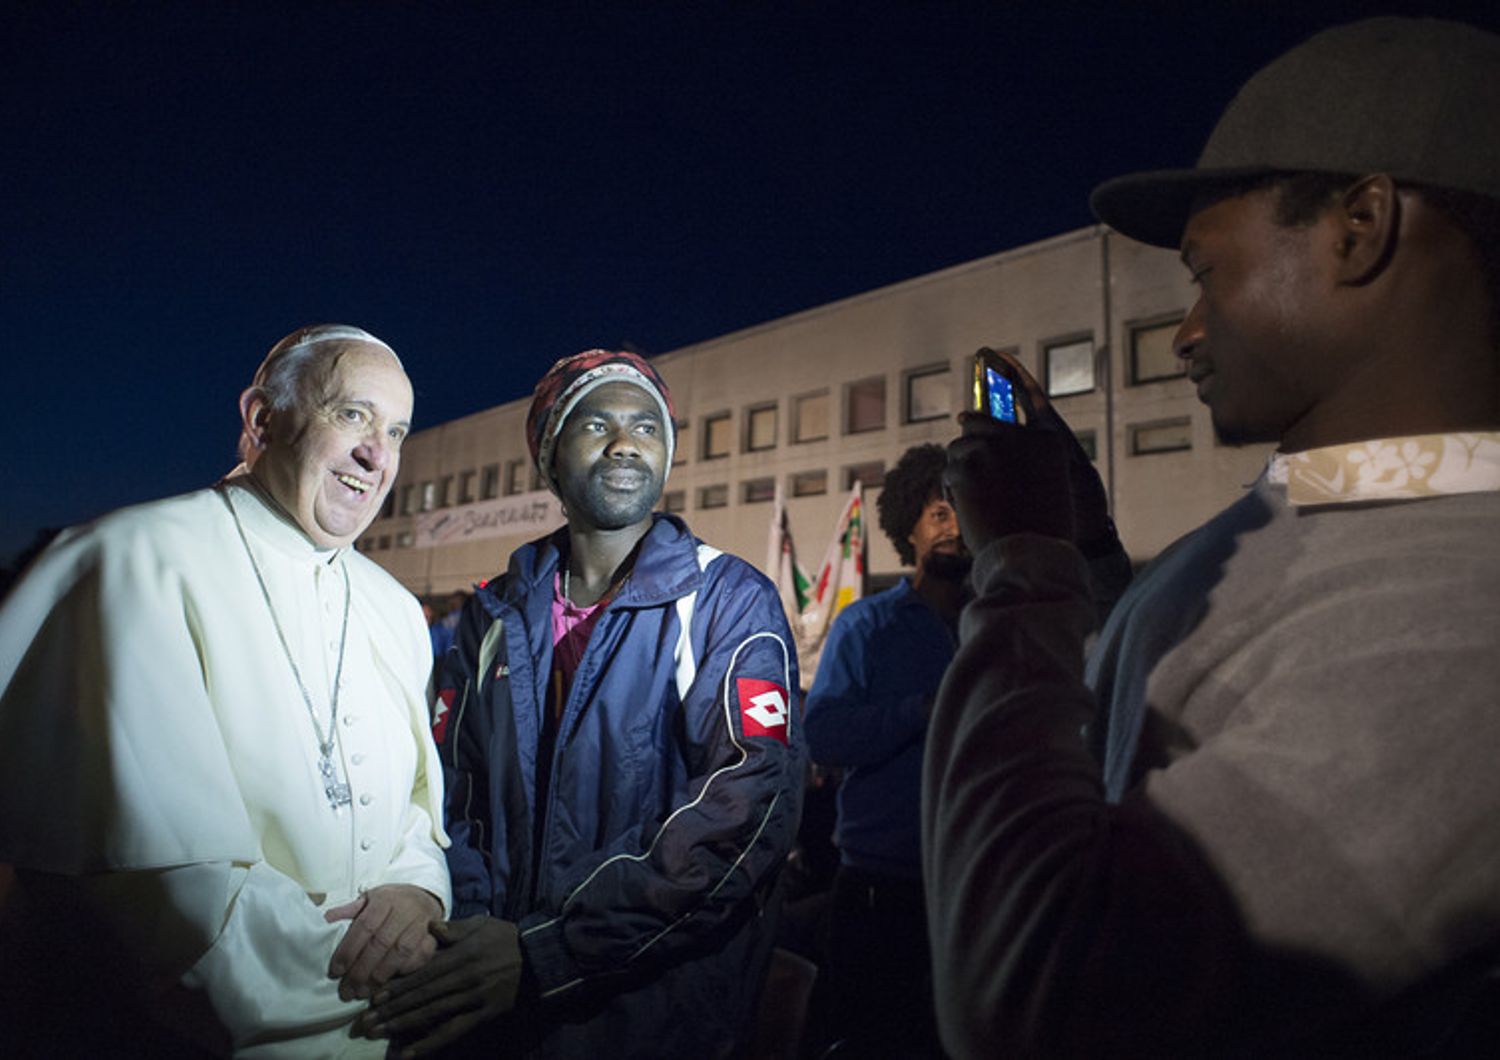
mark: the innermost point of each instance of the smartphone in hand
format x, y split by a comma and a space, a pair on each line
997, 390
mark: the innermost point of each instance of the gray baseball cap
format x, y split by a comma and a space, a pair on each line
1417, 99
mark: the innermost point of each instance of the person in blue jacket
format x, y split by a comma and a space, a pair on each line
623, 757
867, 714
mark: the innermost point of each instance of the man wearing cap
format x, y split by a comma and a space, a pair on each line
216, 780
624, 764
1291, 847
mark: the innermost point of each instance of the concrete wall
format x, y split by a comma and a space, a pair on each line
1089, 283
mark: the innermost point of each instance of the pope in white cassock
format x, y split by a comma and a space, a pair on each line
217, 785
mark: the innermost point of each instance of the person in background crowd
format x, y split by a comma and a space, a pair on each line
216, 780
867, 714
445, 626
1291, 848
624, 760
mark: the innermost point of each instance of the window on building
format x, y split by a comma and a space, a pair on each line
1089, 442
680, 453
388, 508
534, 479
809, 483
869, 475
929, 394
385, 542
429, 496
864, 408
674, 501
466, 487
405, 539
489, 482
445, 491
810, 417
756, 490
515, 477
1163, 436
716, 438
760, 428
1151, 353
407, 492
1070, 367
716, 496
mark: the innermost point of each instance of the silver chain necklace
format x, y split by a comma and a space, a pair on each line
614, 587
336, 791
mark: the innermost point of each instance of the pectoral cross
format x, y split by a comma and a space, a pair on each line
338, 793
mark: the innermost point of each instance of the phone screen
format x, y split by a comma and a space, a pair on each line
1001, 394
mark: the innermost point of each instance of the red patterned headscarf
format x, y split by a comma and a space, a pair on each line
565, 384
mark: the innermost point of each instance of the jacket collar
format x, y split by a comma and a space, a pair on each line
666, 569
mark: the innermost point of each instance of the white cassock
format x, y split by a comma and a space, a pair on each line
153, 740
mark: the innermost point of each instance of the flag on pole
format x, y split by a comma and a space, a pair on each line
792, 582
841, 580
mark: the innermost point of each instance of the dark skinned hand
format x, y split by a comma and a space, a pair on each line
1005, 479
473, 978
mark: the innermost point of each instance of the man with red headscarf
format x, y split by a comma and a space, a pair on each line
623, 758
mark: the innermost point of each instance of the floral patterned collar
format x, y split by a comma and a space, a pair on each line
1426, 465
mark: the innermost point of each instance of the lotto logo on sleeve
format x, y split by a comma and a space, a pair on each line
763, 708
443, 710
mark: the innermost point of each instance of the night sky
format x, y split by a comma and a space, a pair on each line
489, 188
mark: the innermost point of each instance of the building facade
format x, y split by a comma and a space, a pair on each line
830, 397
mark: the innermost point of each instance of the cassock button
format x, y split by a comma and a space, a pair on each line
350, 719
366, 844
358, 758
365, 800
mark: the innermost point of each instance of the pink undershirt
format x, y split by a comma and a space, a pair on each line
571, 628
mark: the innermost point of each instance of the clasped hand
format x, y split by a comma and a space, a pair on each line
473, 978
388, 936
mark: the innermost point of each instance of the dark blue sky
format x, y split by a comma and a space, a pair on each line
489, 188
